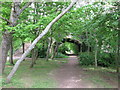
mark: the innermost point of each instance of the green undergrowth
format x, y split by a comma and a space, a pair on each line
102, 69
102, 77
37, 77
60, 55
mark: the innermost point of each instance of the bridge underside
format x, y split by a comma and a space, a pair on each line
82, 47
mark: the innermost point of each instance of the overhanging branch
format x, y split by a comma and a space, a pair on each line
5, 19
24, 7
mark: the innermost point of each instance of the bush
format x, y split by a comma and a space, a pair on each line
86, 59
60, 55
104, 59
41, 53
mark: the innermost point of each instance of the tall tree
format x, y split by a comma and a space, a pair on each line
7, 35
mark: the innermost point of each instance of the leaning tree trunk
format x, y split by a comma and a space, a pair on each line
11, 52
36, 40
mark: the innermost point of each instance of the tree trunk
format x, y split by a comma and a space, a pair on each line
118, 50
118, 64
23, 47
55, 51
33, 58
119, 43
81, 48
6, 38
36, 55
116, 58
88, 48
96, 54
15, 12
11, 52
49, 46
36, 40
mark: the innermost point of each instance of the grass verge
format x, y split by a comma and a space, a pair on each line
102, 77
37, 77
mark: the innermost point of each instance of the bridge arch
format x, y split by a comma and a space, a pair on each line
81, 46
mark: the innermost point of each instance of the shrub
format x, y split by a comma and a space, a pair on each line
41, 53
86, 58
104, 59
60, 55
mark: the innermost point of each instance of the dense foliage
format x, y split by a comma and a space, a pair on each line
104, 59
94, 24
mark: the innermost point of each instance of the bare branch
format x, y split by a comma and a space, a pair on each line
24, 7
5, 19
